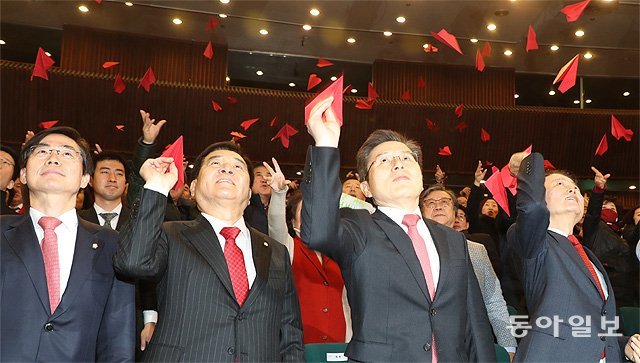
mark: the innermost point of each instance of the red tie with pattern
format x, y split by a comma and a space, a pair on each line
419, 245
49, 248
235, 264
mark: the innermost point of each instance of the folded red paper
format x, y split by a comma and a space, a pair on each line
532, 43
208, 51
618, 131
335, 90
119, 85
284, 134
43, 63
247, 123
47, 124
573, 11
567, 74
448, 39
176, 152
603, 146
147, 80
444, 151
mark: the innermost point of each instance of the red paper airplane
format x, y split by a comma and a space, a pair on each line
430, 48
314, 80
486, 50
232, 100
461, 127
273, 121
147, 80
43, 63
444, 151
618, 131
119, 85
421, 82
406, 96
323, 63
212, 23
106, 65
548, 165
247, 123
216, 106
47, 124
208, 51
603, 146
509, 181
432, 126
371, 92
176, 152
365, 105
532, 43
495, 185
448, 39
529, 149
567, 74
237, 135
120, 128
335, 90
346, 89
479, 61
574, 11
458, 110
484, 135
285, 133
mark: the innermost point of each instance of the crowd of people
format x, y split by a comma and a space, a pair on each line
107, 259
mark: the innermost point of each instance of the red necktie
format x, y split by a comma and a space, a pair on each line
49, 248
583, 255
411, 221
235, 264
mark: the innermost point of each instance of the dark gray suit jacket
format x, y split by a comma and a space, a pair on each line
393, 315
199, 317
556, 281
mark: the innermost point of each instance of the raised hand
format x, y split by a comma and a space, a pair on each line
276, 181
599, 179
323, 125
479, 174
154, 171
515, 161
98, 149
150, 129
440, 175
28, 136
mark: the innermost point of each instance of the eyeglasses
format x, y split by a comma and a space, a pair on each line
44, 152
442, 203
5, 162
385, 160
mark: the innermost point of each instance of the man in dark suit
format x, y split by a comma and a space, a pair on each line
225, 290
61, 300
412, 290
562, 279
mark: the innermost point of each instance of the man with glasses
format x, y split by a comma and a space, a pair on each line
410, 283
61, 300
8, 173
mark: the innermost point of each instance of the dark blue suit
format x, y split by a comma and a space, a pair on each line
95, 319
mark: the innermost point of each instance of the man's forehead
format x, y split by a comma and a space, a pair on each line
59, 140
555, 177
438, 194
219, 154
260, 169
6, 155
389, 146
109, 163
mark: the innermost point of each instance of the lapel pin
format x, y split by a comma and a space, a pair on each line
94, 246
266, 244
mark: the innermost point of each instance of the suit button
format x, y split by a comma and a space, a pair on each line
603, 312
326, 283
325, 310
231, 350
433, 312
324, 337
48, 327
603, 338
241, 317
426, 347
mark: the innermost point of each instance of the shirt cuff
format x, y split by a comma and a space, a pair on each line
151, 316
157, 188
510, 349
599, 190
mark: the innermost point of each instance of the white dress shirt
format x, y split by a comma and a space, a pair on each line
434, 259
114, 221
66, 233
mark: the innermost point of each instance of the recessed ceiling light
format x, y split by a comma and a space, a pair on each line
259, 72
588, 100
554, 47
387, 34
353, 90
552, 93
128, 3
333, 78
190, 166
491, 26
351, 40
632, 187
48, 54
314, 12
2, 42
579, 33
264, 31
298, 173
516, 96
401, 19
473, 40
626, 94
425, 45
224, 1
588, 55
292, 84
222, 15
575, 102
306, 27
508, 52
83, 8
227, 79
177, 21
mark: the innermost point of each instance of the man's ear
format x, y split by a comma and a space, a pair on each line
91, 181
23, 176
84, 181
192, 187
364, 186
10, 184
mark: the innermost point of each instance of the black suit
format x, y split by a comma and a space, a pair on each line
393, 315
200, 319
91, 215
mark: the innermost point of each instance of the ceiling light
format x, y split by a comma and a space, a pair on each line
298, 173
227, 78
222, 15
177, 21
552, 93
425, 45
2, 42
387, 34
259, 72
588, 100
224, 1
508, 52
333, 78
83, 8
314, 12
626, 94
351, 40
292, 84
128, 3
632, 187
353, 90
516, 96
579, 33
588, 55
401, 19
575, 102
48, 54
491, 26
264, 31
190, 166
554, 47
306, 27
473, 40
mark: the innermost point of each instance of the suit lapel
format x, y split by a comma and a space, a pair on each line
23, 240
123, 217
440, 240
313, 258
567, 247
403, 244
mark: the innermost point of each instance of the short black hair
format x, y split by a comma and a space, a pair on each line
223, 145
70, 132
14, 156
108, 155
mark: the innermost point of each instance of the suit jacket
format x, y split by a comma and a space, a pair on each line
199, 317
393, 316
256, 215
95, 318
91, 215
556, 281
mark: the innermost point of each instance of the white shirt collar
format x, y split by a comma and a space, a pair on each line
397, 215
99, 209
69, 218
218, 225
557, 231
